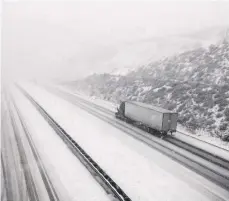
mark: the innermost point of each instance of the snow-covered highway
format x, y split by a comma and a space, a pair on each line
13, 183
24, 175
143, 173
118, 101
212, 162
69, 177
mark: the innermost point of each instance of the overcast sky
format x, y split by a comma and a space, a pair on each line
67, 38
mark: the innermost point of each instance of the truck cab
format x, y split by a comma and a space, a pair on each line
121, 110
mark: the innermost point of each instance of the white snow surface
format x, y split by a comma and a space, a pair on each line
71, 179
142, 172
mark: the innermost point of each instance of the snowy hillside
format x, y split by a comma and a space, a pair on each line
194, 83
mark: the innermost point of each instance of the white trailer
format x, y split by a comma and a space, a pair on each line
157, 118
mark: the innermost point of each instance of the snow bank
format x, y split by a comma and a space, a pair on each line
205, 137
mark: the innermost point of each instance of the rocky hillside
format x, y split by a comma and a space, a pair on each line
194, 83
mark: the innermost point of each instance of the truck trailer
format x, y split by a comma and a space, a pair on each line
152, 117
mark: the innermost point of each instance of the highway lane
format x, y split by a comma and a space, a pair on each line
12, 169
22, 174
